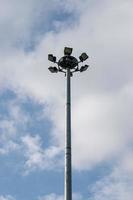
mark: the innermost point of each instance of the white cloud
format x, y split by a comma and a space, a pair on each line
9, 127
7, 134
18, 20
53, 196
7, 197
37, 157
102, 128
8, 147
118, 185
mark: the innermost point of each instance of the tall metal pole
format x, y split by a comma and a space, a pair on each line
68, 168
68, 65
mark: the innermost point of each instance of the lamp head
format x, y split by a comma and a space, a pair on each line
68, 51
84, 68
83, 57
53, 69
51, 58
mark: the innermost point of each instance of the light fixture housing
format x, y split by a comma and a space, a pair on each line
68, 51
84, 68
83, 57
68, 62
53, 69
51, 58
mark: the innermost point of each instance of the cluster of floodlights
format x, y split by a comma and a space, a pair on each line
68, 61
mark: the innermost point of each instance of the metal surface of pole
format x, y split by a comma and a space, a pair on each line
68, 168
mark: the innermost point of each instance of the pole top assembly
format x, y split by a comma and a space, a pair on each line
68, 62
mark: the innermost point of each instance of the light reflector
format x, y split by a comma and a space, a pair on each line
51, 58
53, 69
84, 68
83, 57
68, 51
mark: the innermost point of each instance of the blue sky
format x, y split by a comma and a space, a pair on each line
32, 101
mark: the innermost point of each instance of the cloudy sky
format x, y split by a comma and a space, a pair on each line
32, 101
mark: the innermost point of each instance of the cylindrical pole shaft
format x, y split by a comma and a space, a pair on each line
68, 173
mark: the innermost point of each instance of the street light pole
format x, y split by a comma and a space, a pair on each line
68, 65
68, 170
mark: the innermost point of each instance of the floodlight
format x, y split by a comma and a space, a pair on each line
51, 58
83, 57
84, 68
68, 51
53, 69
